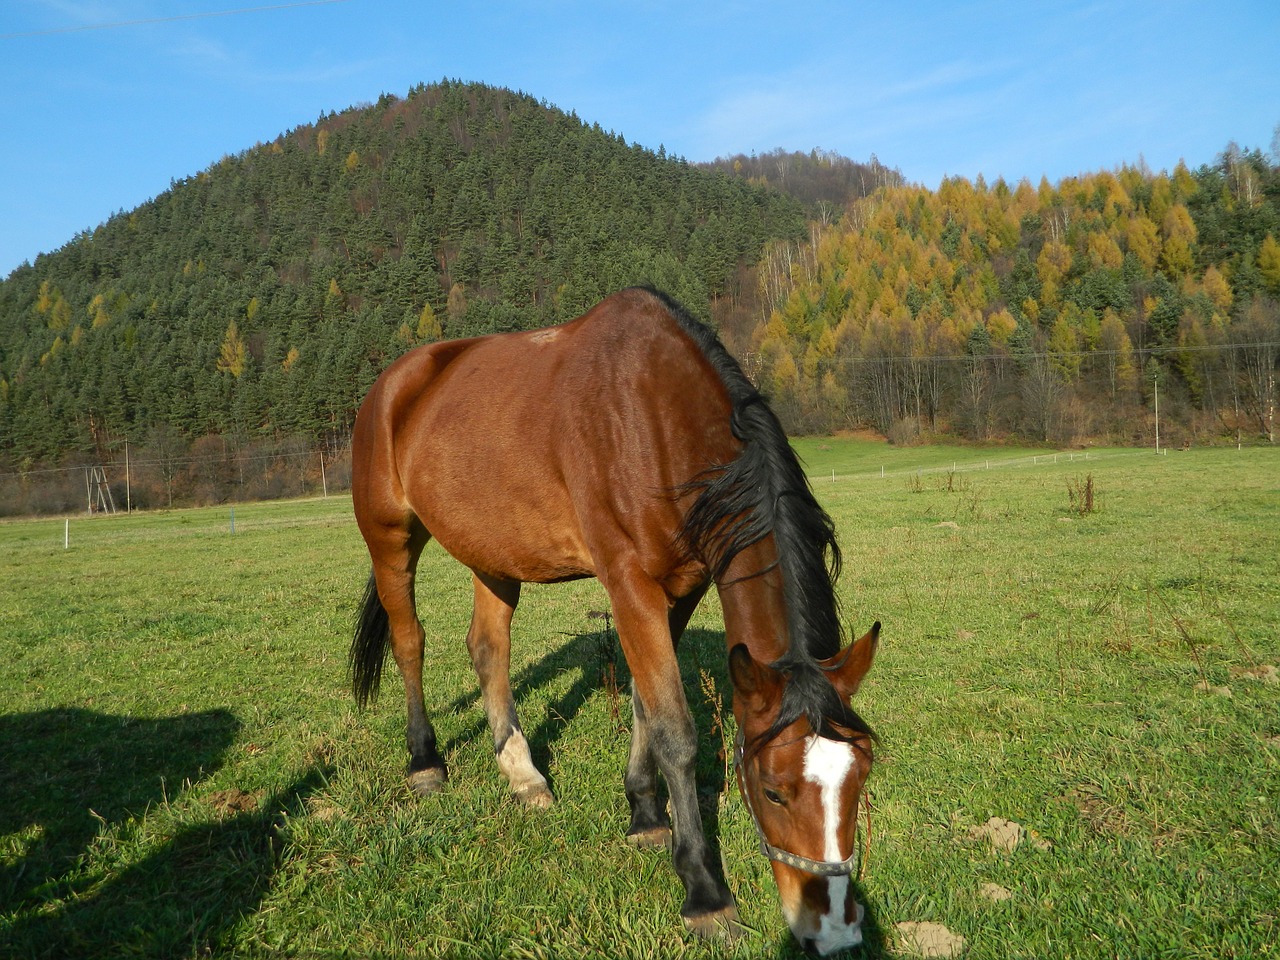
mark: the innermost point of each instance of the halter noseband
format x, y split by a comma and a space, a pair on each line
821, 868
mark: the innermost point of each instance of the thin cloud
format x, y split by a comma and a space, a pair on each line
219, 61
845, 106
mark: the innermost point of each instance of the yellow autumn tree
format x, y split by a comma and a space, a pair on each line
45, 297
97, 310
231, 358
1116, 351
429, 325
60, 314
1001, 324
335, 301
1217, 289
54, 350
53, 306
1064, 345
1180, 236
1269, 263
1143, 241
1104, 251
1052, 266
786, 375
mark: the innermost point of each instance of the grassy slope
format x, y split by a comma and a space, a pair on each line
184, 771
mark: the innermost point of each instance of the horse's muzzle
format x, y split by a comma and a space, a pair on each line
826, 937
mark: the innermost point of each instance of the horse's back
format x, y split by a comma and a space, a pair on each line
527, 454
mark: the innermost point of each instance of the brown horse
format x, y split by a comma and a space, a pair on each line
628, 445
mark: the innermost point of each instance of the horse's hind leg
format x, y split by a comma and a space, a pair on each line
489, 642
394, 567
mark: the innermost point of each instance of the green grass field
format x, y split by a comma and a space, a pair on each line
183, 773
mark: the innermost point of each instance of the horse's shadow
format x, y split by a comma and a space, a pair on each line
70, 775
599, 669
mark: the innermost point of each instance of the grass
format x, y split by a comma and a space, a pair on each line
184, 773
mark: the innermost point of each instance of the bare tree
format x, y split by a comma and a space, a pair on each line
1257, 337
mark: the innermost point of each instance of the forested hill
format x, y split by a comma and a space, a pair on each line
1055, 312
240, 316
261, 297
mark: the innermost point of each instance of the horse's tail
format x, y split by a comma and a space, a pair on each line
369, 645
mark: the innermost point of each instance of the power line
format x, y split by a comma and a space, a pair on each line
1162, 352
112, 25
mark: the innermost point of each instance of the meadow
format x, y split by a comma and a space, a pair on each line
183, 772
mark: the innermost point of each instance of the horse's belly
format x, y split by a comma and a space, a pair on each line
506, 534
520, 552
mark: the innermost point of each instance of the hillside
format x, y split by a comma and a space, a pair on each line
1053, 313
259, 299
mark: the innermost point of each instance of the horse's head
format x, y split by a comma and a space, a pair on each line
802, 785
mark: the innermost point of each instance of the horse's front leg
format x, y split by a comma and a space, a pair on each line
650, 826
667, 733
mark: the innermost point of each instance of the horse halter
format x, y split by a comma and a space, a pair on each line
821, 868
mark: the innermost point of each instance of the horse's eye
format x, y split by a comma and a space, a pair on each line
773, 797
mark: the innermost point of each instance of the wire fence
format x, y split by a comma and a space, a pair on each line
188, 478
970, 466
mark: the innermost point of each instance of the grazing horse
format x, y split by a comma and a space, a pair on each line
627, 445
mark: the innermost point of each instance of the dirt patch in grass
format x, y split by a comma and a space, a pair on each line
923, 939
1264, 673
234, 800
1204, 686
994, 893
1097, 811
1006, 836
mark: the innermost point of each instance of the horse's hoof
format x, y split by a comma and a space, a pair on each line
650, 838
537, 796
426, 782
721, 923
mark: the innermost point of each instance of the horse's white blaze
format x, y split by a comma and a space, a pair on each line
827, 763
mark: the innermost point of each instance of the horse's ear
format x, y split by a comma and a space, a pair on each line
848, 673
752, 681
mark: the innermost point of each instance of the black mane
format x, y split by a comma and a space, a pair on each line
760, 493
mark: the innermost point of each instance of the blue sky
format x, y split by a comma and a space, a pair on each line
105, 102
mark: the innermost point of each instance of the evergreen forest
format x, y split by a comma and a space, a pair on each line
221, 336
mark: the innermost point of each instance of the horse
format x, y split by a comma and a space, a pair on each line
628, 445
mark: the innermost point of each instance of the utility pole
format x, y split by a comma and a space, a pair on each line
1155, 383
1271, 408
128, 488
